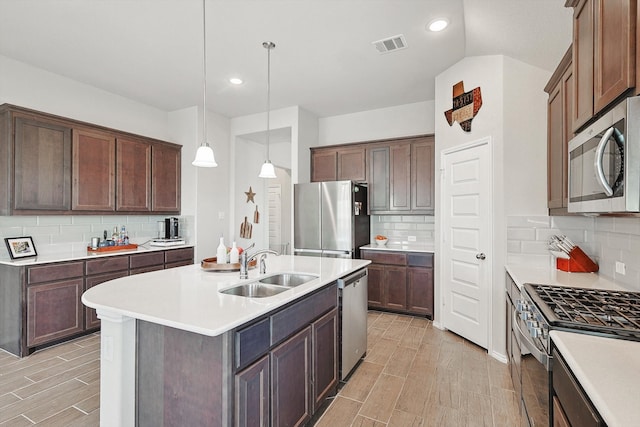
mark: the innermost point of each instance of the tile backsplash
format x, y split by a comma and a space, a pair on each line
398, 228
57, 233
606, 240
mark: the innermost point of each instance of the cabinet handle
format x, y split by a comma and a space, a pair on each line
480, 256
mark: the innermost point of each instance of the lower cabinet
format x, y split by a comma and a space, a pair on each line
292, 380
400, 281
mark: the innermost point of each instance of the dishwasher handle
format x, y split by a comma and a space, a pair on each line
348, 280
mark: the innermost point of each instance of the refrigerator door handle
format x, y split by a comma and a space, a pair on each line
309, 252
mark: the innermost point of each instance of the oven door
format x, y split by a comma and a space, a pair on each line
535, 378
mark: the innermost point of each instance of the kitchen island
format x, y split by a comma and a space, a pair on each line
173, 347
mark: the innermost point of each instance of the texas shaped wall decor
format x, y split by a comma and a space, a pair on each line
465, 106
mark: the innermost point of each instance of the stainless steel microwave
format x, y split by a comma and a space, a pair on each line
604, 162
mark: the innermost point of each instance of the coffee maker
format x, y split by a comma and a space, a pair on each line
171, 228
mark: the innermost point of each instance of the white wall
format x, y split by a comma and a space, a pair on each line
392, 122
513, 115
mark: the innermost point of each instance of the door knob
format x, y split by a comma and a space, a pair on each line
480, 256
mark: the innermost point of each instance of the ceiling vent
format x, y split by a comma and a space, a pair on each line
390, 44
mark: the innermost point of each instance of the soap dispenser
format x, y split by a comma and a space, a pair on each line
234, 255
221, 253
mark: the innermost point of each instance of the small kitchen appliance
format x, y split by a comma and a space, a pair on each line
171, 228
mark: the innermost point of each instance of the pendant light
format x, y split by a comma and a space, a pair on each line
267, 170
204, 155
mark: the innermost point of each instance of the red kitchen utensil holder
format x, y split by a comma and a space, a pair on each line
578, 262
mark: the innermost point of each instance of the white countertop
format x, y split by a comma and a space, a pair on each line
84, 254
522, 274
608, 370
187, 297
400, 247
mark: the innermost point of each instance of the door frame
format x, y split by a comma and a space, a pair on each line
490, 251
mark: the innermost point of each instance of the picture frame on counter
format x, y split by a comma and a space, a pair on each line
20, 247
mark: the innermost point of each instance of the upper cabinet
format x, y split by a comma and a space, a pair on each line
559, 133
604, 57
54, 165
338, 163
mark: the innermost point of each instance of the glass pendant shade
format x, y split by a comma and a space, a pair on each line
204, 157
267, 170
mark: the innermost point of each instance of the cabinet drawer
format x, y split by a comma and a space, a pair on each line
300, 314
389, 258
147, 260
107, 265
252, 342
420, 260
48, 273
176, 255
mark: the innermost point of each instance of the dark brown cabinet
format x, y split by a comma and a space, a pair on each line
42, 164
48, 296
400, 281
423, 175
94, 166
559, 133
60, 166
291, 380
338, 163
133, 175
400, 177
165, 183
378, 178
252, 391
603, 55
325, 357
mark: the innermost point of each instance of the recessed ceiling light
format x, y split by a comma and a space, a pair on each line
438, 24
235, 81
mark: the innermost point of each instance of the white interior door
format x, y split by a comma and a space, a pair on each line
466, 241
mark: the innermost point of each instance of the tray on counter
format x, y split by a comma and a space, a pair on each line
211, 264
113, 248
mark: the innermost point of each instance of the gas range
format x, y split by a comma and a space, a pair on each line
601, 312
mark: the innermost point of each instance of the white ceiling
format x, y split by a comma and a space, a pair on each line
151, 50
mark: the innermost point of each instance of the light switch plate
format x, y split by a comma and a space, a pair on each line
412, 238
621, 268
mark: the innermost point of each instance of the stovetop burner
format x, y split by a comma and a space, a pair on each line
598, 310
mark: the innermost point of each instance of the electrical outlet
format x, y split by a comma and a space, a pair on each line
221, 215
621, 268
412, 238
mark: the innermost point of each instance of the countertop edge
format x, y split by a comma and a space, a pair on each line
396, 247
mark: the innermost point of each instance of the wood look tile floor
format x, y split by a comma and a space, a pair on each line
415, 375
57, 386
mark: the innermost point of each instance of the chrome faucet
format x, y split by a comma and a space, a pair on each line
246, 259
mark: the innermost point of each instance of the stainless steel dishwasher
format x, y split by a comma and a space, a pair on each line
353, 320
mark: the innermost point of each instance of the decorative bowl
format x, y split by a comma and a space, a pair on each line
381, 242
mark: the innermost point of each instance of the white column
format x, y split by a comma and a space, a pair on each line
117, 369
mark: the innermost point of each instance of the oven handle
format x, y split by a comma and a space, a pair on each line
597, 164
540, 356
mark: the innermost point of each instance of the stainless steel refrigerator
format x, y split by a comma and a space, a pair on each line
330, 219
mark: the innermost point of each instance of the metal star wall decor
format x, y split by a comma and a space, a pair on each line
465, 106
250, 195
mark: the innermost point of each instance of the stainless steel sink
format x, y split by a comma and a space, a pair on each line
288, 279
255, 290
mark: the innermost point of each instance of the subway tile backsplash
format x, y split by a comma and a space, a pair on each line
52, 234
398, 228
606, 240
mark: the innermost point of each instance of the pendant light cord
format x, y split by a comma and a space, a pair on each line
204, 74
268, 46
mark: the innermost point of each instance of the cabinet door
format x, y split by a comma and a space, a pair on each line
42, 166
91, 317
374, 285
291, 381
422, 175
133, 168
54, 311
614, 55
252, 395
559, 417
165, 178
400, 177
324, 165
395, 287
583, 39
94, 165
351, 164
420, 291
378, 179
325, 357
